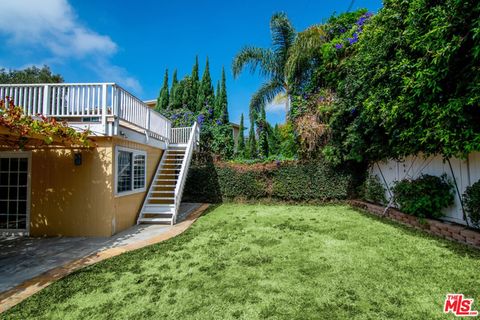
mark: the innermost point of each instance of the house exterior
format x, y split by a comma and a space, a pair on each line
236, 131
129, 176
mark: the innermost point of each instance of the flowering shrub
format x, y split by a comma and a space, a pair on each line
215, 136
26, 127
412, 80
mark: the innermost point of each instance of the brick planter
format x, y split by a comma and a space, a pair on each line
445, 230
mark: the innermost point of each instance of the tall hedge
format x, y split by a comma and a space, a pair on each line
292, 181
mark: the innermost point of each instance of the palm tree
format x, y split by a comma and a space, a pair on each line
271, 62
304, 54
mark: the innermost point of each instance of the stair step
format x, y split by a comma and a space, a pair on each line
154, 220
164, 212
159, 206
161, 198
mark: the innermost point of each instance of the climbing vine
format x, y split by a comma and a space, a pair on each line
26, 131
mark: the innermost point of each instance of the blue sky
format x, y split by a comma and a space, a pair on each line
133, 42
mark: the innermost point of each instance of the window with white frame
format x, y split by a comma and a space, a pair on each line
131, 170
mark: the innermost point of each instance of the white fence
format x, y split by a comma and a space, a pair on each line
466, 173
88, 102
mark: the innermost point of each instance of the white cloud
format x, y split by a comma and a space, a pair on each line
53, 25
276, 108
117, 74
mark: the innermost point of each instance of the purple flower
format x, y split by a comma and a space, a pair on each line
200, 119
210, 111
339, 46
354, 39
343, 30
361, 21
219, 122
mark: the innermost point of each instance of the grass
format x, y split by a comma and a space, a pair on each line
278, 262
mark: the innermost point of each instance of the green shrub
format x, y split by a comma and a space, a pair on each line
288, 181
471, 201
306, 182
373, 190
424, 197
236, 184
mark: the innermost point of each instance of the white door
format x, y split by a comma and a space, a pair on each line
14, 192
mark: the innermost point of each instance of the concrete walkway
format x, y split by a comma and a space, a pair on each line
24, 258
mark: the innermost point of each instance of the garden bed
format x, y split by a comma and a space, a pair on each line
447, 230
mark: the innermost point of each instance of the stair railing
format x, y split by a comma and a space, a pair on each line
191, 145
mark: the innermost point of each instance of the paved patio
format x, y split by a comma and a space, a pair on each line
24, 258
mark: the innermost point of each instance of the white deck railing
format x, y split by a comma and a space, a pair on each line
104, 103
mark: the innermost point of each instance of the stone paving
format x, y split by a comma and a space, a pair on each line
24, 258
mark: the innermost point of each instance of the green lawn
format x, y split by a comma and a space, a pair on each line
279, 262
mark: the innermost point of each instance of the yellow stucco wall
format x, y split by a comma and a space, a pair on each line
74, 200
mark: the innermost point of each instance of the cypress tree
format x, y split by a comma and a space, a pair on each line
163, 97
223, 99
175, 92
188, 99
251, 148
217, 109
240, 151
195, 83
263, 135
274, 139
174, 78
206, 95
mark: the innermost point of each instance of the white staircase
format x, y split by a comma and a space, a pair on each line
164, 196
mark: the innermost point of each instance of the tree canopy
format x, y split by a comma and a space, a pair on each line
30, 75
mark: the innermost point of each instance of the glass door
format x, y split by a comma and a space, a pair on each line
14, 192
